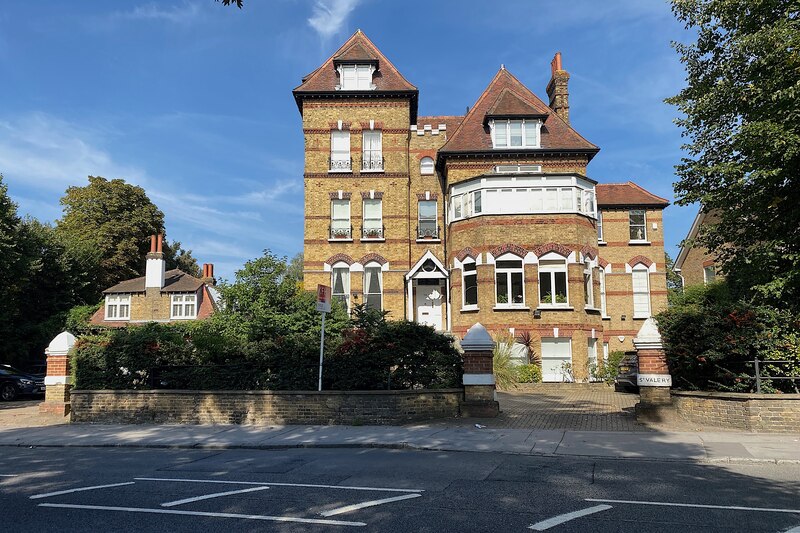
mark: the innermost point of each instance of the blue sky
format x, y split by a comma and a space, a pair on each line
192, 100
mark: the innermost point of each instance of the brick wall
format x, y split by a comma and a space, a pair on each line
778, 413
264, 407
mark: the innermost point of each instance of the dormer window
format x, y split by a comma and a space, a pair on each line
515, 133
355, 77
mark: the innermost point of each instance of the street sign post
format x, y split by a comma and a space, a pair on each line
324, 307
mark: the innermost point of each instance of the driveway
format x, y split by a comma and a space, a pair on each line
25, 413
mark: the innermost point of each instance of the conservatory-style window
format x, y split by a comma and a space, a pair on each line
515, 133
118, 307
340, 284
509, 288
183, 306
638, 226
373, 295
553, 291
641, 291
469, 273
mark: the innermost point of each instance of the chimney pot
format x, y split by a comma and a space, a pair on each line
558, 88
152, 243
160, 242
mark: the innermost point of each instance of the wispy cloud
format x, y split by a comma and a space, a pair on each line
329, 16
178, 14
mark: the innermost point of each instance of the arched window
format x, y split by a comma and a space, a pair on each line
553, 287
469, 273
340, 283
640, 277
509, 287
373, 286
426, 166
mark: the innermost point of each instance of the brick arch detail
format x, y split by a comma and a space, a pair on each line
373, 257
466, 252
552, 247
509, 248
640, 259
340, 258
589, 252
602, 262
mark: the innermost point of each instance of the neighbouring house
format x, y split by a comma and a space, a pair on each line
695, 264
160, 295
488, 217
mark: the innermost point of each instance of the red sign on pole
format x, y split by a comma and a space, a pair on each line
323, 299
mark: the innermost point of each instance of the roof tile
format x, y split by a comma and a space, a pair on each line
625, 194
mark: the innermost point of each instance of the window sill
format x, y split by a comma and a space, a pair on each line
429, 240
470, 309
601, 243
591, 309
555, 308
641, 317
340, 240
117, 319
605, 317
511, 308
639, 243
372, 171
340, 171
373, 239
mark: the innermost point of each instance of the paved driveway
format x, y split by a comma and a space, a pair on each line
25, 413
567, 406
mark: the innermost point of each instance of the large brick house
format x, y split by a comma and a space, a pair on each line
488, 217
159, 296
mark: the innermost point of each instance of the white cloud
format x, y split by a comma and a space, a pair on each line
329, 16
178, 14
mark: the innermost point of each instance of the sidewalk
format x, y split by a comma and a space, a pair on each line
710, 447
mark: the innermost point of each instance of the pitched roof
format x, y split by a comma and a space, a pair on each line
357, 47
507, 93
625, 194
174, 281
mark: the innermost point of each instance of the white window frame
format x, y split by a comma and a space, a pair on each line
600, 227
373, 268
185, 303
603, 304
372, 224
341, 225
643, 225
548, 269
525, 126
467, 205
644, 273
508, 272
473, 273
709, 274
118, 306
517, 169
588, 285
435, 220
344, 269
355, 77
372, 159
341, 160
426, 166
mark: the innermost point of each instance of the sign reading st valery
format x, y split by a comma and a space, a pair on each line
654, 380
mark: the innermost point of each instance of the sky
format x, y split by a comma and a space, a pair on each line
192, 100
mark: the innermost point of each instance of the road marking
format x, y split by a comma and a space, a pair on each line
372, 503
209, 496
699, 505
203, 513
80, 489
8, 475
566, 517
306, 485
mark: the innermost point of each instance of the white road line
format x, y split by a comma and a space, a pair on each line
307, 485
8, 475
566, 517
372, 503
80, 489
202, 513
698, 505
209, 496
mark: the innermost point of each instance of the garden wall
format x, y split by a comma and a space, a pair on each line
777, 413
264, 407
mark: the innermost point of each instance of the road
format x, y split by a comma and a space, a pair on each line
341, 489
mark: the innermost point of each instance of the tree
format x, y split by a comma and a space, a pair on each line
237, 3
741, 115
295, 268
177, 257
674, 281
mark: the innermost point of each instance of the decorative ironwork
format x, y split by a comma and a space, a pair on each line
428, 232
373, 233
372, 161
340, 233
340, 165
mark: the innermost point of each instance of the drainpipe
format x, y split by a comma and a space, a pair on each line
406, 293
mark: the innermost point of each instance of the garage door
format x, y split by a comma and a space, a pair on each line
556, 352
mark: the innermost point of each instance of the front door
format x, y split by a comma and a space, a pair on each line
428, 299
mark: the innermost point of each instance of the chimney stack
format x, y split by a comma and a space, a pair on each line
155, 267
208, 274
557, 89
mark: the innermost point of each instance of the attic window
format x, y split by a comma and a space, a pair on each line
355, 77
515, 133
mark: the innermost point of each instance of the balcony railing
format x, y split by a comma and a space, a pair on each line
372, 161
428, 232
373, 233
340, 233
340, 164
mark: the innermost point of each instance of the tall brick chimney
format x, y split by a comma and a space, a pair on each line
155, 267
208, 274
557, 89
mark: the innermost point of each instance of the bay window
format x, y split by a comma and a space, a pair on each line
553, 289
118, 307
509, 288
469, 273
641, 291
373, 294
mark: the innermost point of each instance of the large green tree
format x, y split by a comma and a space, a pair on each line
741, 116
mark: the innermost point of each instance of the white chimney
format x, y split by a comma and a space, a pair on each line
156, 267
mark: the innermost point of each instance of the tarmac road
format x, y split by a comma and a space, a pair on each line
346, 489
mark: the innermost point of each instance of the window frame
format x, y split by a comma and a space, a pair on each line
420, 234
548, 268
644, 271
526, 125
600, 227
588, 285
509, 273
601, 274
376, 163
373, 267
340, 160
709, 278
473, 274
348, 227
376, 228
423, 166
361, 72
343, 297
643, 225
116, 301
180, 300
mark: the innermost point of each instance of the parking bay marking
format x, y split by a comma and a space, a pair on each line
697, 505
210, 496
261, 483
79, 489
566, 517
205, 513
372, 503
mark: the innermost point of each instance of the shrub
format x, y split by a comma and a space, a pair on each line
505, 371
607, 370
529, 373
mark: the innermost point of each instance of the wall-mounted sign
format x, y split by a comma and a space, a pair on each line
654, 380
